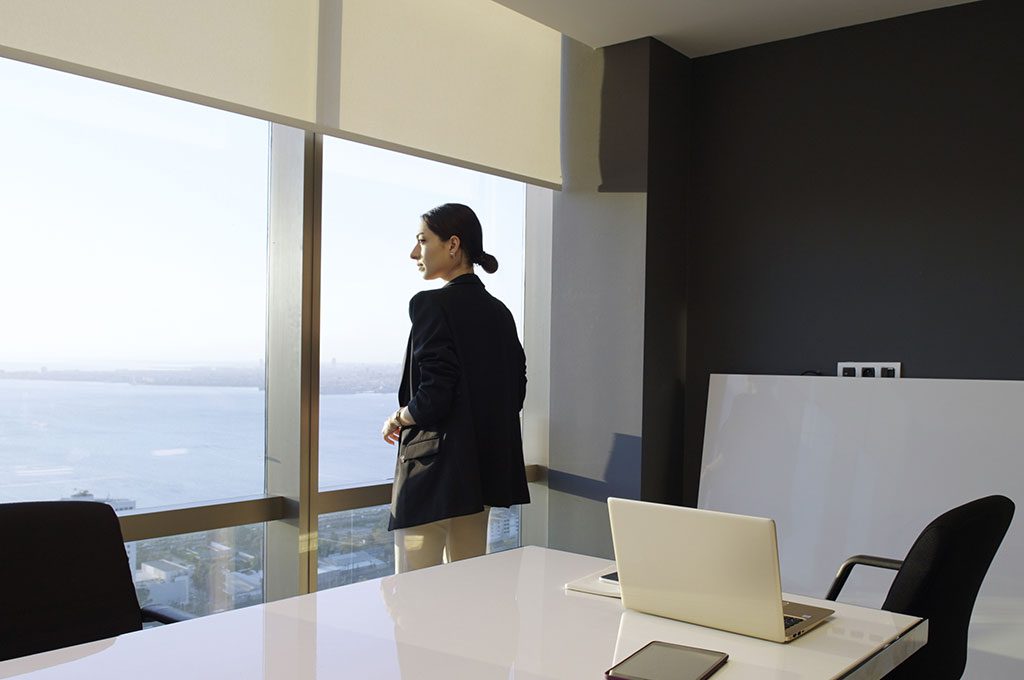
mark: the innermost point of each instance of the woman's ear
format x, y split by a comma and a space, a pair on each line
453, 245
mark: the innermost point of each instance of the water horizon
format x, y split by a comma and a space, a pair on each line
169, 444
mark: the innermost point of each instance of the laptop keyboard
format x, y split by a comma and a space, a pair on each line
792, 620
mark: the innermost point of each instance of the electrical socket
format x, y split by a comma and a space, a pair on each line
875, 369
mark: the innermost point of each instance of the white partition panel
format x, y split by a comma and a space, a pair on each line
861, 465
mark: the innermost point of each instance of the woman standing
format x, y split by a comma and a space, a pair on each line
460, 445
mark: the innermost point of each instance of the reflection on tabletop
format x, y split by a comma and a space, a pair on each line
430, 635
56, 658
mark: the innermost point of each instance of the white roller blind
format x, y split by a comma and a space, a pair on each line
464, 80
461, 78
252, 53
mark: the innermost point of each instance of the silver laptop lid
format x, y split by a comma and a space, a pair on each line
710, 568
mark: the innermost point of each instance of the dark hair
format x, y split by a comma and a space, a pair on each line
455, 219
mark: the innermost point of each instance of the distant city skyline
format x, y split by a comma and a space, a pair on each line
335, 378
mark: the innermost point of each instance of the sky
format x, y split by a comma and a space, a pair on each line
133, 231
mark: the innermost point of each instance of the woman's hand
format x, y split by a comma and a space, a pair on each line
392, 429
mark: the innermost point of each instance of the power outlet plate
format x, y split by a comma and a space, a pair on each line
875, 369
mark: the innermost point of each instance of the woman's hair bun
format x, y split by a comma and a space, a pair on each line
488, 262
456, 219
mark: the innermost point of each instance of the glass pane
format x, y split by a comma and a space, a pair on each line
355, 545
133, 266
503, 529
202, 573
372, 204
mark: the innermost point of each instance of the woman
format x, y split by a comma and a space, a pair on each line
460, 445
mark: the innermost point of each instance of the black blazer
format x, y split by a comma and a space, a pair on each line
464, 377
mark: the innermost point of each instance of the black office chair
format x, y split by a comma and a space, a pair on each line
939, 580
65, 578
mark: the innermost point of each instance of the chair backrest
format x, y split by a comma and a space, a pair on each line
940, 579
64, 577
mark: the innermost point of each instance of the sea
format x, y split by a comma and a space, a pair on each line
163, 445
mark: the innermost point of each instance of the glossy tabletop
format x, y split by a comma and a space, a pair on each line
501, 616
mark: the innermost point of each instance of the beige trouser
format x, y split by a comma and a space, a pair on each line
446, 540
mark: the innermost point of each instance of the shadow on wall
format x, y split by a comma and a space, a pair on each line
621, 475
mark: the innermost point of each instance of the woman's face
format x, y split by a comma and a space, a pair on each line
433, 256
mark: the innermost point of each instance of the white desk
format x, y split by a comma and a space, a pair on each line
496, 617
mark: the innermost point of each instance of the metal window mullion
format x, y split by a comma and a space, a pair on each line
140, 525
315, 164
292, 364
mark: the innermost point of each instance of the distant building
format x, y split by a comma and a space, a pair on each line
504, 525
213, 551
243, 588
165, 581
162, 569
349, 567
119, 504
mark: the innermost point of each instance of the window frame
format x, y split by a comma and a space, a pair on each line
293, 502
292, 506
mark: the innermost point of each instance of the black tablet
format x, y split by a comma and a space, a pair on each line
665, 661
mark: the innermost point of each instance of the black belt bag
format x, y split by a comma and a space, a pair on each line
416, 443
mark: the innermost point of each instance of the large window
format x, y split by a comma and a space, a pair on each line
140, 284
133, 279
372, 204
133, 271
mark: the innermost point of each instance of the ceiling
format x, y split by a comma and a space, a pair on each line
700, 27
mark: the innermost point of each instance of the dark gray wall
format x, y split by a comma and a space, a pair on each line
858, 194
665, 296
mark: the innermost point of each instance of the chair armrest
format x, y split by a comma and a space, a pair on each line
162, 613
848, 565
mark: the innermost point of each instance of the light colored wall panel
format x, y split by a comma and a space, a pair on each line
598, 274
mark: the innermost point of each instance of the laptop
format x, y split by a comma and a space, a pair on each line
714, 569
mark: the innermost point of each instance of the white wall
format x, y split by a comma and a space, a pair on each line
597, 321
